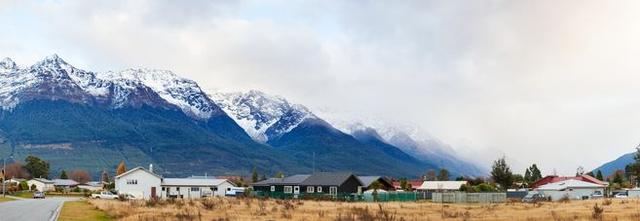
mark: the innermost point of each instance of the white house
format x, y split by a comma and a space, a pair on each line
573, 189
441, 186
64, 183
139, 182
145, 184
42, 184
194, 188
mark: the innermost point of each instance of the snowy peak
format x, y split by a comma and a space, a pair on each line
261, 115
7, 64
184, 93
53, 78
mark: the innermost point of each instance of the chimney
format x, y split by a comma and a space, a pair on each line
151, 168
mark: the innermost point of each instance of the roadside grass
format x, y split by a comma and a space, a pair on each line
23, 194
80, 211
5, 199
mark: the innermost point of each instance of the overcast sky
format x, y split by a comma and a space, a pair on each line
550, 82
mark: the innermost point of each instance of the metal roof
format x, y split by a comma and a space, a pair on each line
571, 183
441, 185
192, 182
328, 179
64, 182
42, 180
295, 179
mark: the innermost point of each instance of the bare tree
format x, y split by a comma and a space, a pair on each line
80, 176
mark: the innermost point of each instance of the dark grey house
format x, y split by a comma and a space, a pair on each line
322, 183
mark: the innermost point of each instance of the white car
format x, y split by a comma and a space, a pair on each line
620, 195
104, 195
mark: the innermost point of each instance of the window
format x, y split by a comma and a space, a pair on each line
273, 188
309, 189
319, 189
296, 189
132, 182
195, 189
333, 190
163, 188
178, 189
288, 189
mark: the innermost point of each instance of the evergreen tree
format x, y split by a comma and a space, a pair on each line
617, 178
63, 175
501, 173
599, 175
535, 173
121, 168
527, 176
37, 167
254, 175
104, 177
279, 175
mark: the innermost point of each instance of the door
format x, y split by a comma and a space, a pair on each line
153, 192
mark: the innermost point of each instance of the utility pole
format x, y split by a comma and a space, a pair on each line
4, 177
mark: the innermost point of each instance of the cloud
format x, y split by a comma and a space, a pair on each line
544, 82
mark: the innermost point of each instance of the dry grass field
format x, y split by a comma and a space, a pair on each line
254, 209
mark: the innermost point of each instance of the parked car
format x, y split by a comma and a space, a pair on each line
38, 195
533, 197
104, 195
621, 195
597, 195
235, 191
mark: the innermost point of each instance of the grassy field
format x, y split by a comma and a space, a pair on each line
254, 209
5, 199
23, 194
81, 211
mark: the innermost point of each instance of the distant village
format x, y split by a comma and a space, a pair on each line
143, 183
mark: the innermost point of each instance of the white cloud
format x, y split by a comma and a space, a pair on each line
550, 82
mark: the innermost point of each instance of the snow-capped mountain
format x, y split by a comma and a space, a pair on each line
262, 116
53, 78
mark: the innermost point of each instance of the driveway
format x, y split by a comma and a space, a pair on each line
32, 209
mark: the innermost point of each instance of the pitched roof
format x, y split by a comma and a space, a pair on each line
295, 179
367, 180
570, 183
64, 182
441, 185
192, 182
42, 180
137, 168
553, 179
328, 179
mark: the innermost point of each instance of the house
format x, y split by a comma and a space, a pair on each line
139, 182
41, 184
15, 181
413, 183
441, 186
64, 183
145, 184
278, 184
317, 183
385, 183
554, 178
92, 186
571, 188
194, 188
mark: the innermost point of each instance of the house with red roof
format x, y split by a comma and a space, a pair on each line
554, 179
414, 184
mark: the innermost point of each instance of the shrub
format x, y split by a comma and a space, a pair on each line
597, 212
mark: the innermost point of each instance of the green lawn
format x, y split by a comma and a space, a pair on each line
81, 211
5, 199
24, 194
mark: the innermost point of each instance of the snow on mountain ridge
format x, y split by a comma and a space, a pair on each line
261, 115
56, 74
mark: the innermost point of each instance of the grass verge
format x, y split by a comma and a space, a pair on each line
80, 211
5, 199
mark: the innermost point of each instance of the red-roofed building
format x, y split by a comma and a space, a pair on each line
414, 184
553, 179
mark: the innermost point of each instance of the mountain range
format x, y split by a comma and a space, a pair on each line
81, 119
